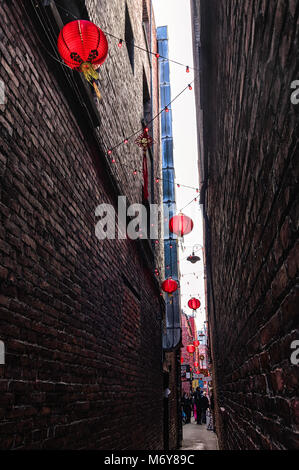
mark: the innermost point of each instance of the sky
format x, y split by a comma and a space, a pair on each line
176, 15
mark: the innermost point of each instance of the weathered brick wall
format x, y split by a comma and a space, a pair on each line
79, 317
249, 58
174, 426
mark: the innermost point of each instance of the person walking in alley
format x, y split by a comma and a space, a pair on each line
193, 394
198, 405
187, 406
204, 406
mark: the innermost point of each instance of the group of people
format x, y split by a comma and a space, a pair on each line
198, 403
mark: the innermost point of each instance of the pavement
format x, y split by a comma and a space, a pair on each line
196, 437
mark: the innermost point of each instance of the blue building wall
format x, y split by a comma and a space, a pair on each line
173, 335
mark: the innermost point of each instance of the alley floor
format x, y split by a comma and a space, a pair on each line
197, 437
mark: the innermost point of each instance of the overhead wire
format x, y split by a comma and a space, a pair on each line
122, 40
157, 115
73, 84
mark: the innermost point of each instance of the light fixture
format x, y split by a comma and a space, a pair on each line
193, 259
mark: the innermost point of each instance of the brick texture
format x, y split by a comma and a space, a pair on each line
250, 127
173, 425
80, 318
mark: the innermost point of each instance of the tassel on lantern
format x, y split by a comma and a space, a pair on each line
91, 75
96, 89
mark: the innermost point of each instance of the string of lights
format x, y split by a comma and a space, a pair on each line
52, 40
122, 41
157, 179
134, 170
166, 109
193, 200
192, 274
75, 87
191, 295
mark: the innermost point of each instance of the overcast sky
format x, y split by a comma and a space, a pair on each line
176, 15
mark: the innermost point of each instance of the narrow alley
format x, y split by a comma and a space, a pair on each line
197, 437
149, 252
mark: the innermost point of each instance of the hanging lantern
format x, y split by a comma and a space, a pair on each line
181, 224
194, 304
196, 365
83, 46
190, 348
169, 286
196, 343
182, 360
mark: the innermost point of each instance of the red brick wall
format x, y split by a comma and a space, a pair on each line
79, 317
248, 60
173, 366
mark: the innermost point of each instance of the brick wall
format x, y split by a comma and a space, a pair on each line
80, 318
172, 367
249, 58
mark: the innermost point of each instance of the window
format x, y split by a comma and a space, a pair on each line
129, 38
147, 117
146, 24
147, 105
69, 11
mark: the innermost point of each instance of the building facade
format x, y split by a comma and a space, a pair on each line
188, 330
80, 318
172, 325
246, 55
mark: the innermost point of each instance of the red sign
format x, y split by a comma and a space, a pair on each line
205, 372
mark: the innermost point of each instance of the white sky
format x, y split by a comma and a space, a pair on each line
176, 15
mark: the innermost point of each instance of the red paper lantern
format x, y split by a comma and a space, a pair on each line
169, 286
194, 304
196, 364
196, 343
83, 46
181, 224
182, 360
190, 348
